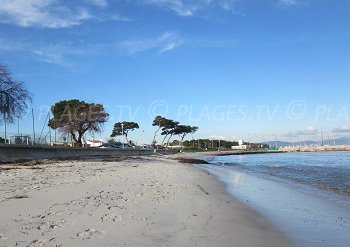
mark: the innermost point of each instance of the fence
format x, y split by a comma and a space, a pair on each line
32, 129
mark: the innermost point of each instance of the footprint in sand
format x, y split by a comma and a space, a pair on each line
90, 234
2, 236
49, 226
111, 217
37, 243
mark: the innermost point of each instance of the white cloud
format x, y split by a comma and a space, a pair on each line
168, 47
342, 129
310, 130
190, 7
164, 43
228, 5
48, 13
178, 6
59, 53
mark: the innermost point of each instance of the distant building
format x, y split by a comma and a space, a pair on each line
246, 145
94, 143
241, 145
20, 139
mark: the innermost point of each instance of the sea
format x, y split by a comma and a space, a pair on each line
305, 195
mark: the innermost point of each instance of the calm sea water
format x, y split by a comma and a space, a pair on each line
306, 195
328, 171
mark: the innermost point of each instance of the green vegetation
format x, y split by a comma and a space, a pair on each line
77, 117
161, 123
210, 144
206, 144
170, 128
123, 128
184, 130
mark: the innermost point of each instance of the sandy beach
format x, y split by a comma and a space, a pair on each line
149, 201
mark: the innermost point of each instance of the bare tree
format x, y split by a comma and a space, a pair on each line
14, 96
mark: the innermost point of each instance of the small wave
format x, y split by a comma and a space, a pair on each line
230, 164
329, 173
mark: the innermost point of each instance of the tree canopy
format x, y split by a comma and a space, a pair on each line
183, 130
14, 96
77, 117
169, 126
160, 122
123, 128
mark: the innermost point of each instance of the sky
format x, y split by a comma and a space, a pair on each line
237, 69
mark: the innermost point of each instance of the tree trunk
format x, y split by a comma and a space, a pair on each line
164, 138
155, 134
77, 141
182, 138
167, 144
126, 137
74, 137
80, 143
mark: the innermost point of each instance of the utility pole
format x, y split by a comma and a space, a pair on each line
50, 127
5, 127
5, 107
142, 139
33, 126
123, 134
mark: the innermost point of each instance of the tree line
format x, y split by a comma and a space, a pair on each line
75, 117
170, 128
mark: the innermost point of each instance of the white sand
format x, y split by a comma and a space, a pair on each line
149, 202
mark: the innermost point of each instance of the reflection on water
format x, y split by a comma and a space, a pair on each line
235, 179
277, 187
328, 171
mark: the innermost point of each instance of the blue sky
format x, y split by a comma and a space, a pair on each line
257, 69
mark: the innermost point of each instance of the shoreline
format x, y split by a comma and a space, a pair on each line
17, 154
153, 201
310, 216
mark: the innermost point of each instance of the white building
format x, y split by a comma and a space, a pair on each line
94, 143
241, 146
